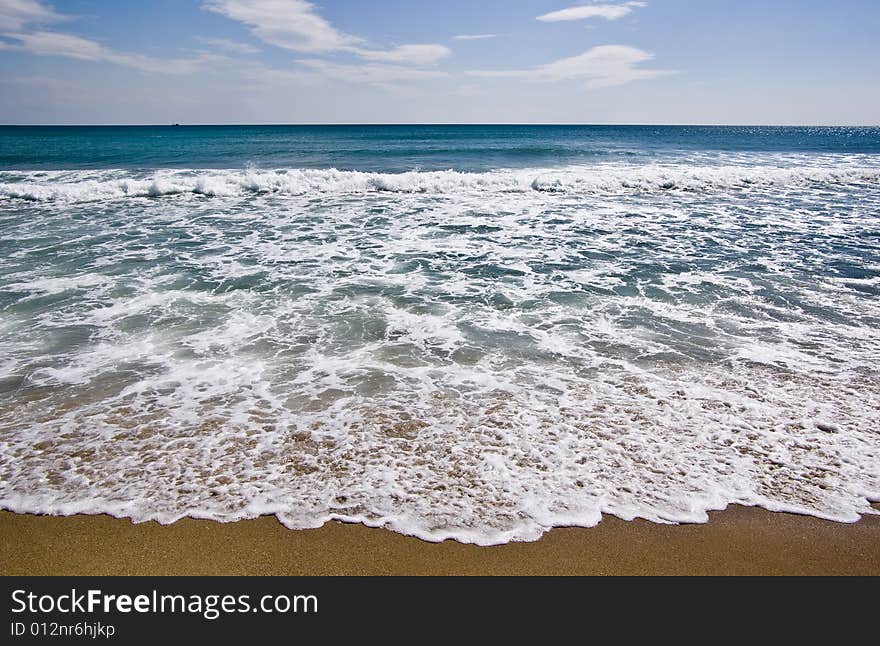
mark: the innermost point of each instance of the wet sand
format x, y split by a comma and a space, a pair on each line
736, 541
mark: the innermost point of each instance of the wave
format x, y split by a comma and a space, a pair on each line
482, 369
88, 186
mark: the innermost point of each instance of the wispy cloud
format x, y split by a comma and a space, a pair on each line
52, 43
17, 26
410, 54
583, 12
370, 73
474, 36
15, 14
291, 24
602, 66
296, 25
231, 46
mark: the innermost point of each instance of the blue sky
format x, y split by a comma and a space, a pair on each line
452, 61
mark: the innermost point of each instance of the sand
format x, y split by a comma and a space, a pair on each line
736, 541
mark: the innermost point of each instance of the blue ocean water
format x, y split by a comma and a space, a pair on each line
393, 149
469, 332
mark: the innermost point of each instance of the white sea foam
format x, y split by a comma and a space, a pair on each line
79, 186
471, 356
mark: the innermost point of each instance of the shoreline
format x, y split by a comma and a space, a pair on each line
736, 541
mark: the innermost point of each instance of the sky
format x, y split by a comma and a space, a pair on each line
440, 61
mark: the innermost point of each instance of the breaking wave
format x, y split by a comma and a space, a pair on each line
88, 186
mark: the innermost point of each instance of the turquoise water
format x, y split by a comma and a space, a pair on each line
451, 331
392, 149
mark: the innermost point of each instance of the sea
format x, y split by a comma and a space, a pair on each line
475, 333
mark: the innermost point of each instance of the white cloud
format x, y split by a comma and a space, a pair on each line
370, 73
15, 14
231, 46
410, 54
291, 24
17, 20
50, 43
601, 66
474, 36
296, 25
582, 12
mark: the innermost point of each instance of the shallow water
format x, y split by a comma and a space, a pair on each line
656, 325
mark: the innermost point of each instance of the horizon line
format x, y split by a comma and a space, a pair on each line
439, 123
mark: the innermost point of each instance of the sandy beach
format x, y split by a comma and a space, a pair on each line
738, 541
466, 272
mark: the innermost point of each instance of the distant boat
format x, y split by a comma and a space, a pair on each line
175, 124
